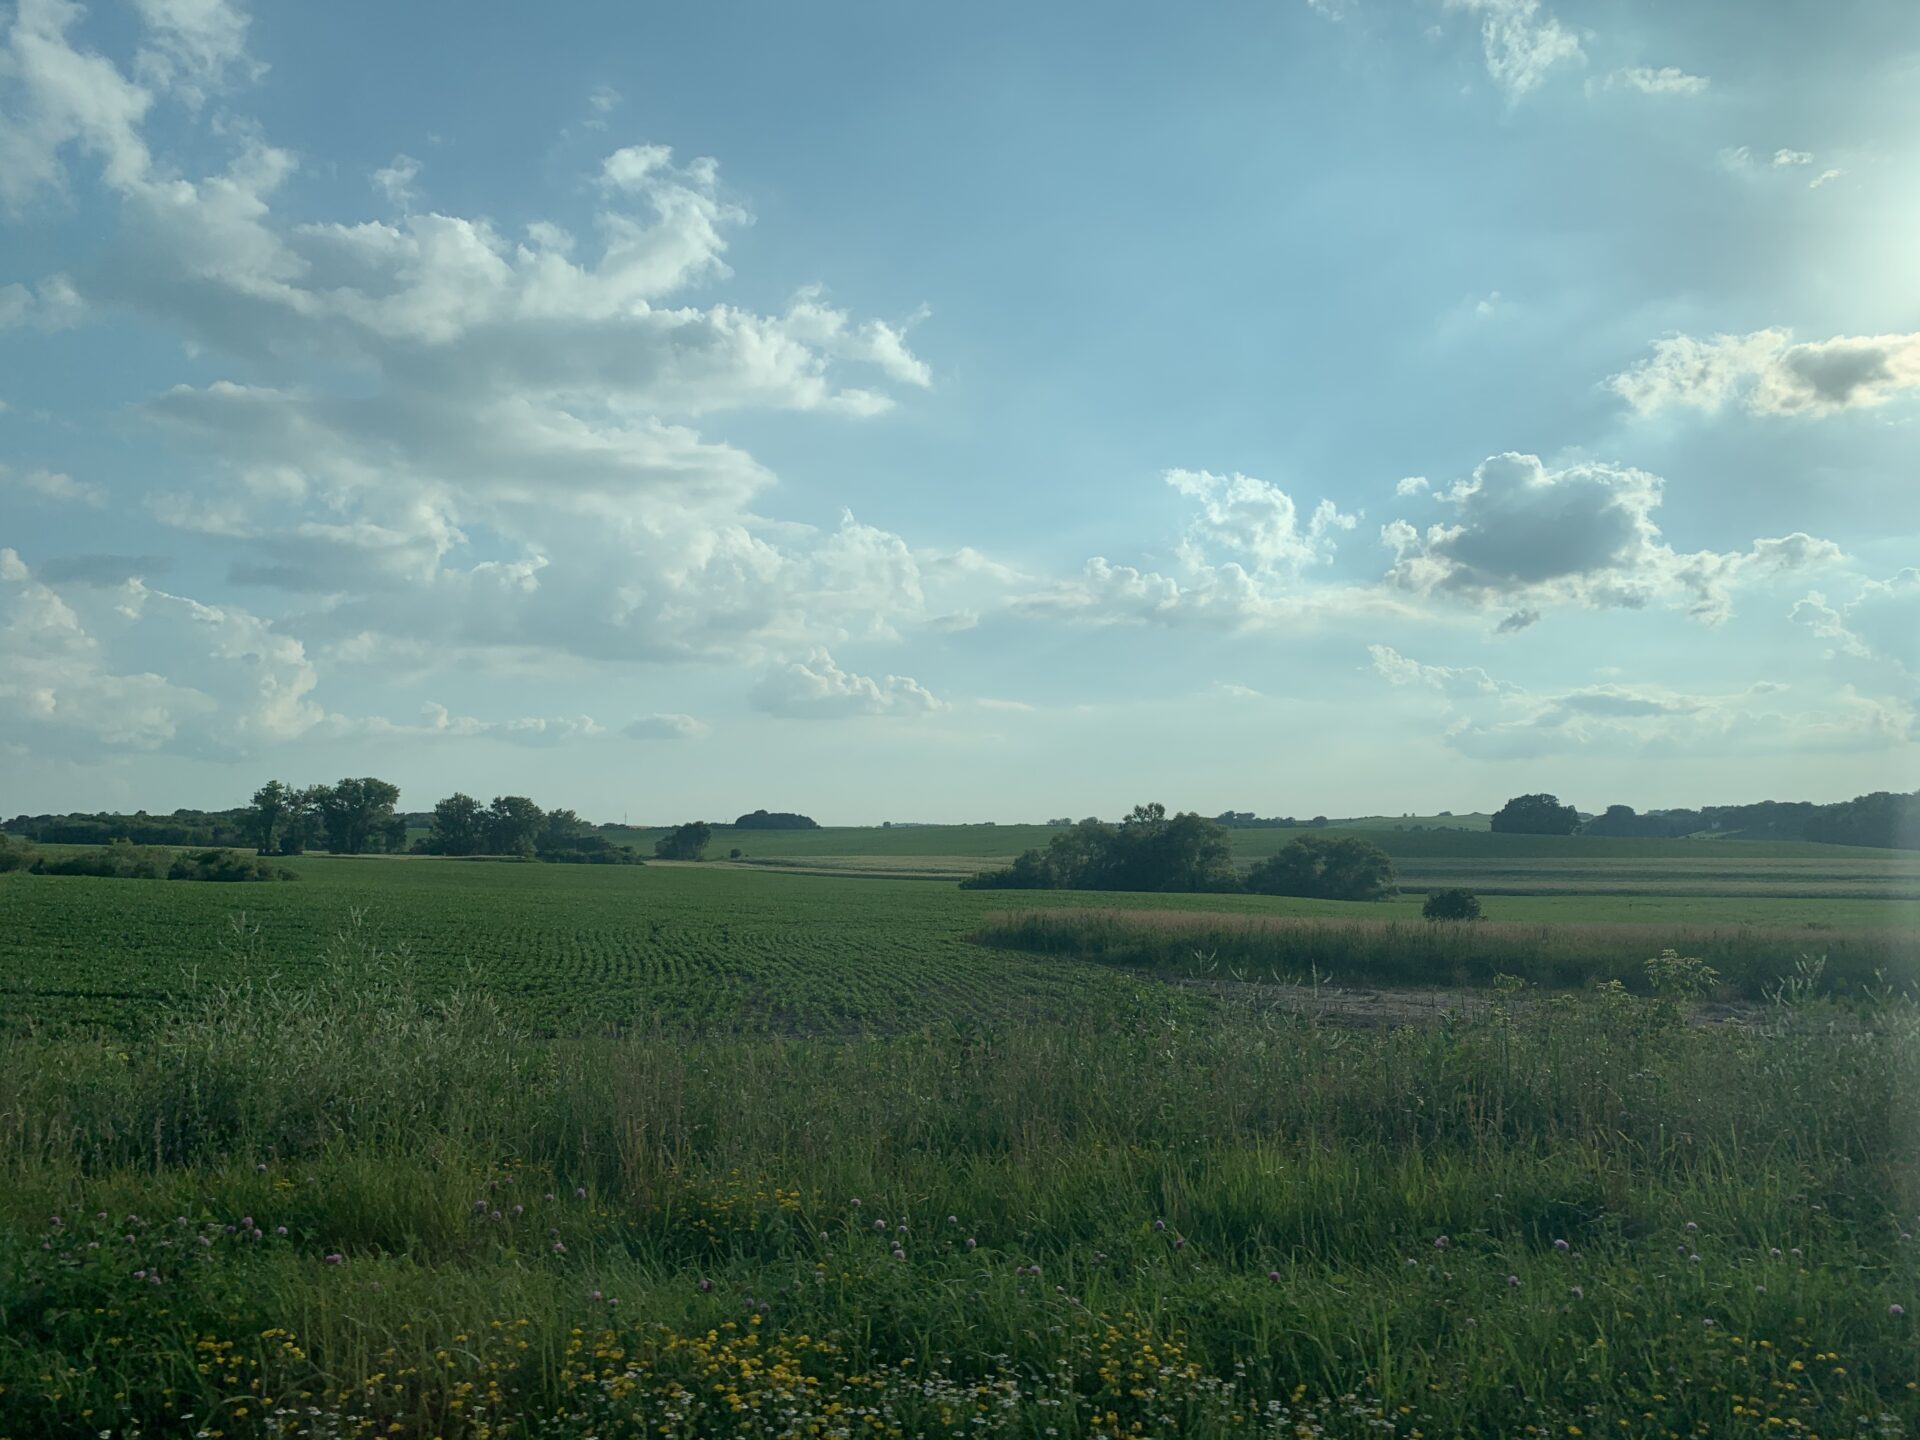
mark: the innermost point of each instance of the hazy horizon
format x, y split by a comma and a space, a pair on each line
1322, 406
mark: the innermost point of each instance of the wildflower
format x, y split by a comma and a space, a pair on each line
55, 1222
1693, 1259
1562, 1246
548, 1197
899, 1254
955, 1220
1896, 1310
706, 1285
855, 1202
246, 1222
1774, 1252
1795, 1252
579, 1192
139, 1274
593, 1295
880, 1225
1578, 1293
1180, 1243
1759, 1289
479, 1207
1159, 1225
559, 1248
971, 1242
1691, 1227
519, 1210
1274, 1276
1441, 1242
280, 1230
260, 1169
1513, 1282
204, 1240
336, 1258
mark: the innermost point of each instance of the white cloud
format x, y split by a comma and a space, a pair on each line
1522, 41
1783, 158
134, 668
56, 97
53, 486
1523, 535
817, 688
395, 180
1491, 719
1770, 374
1667, 80
1254, 521
1412, 485
194, 48
665, 727
437, 721
1880, 625
1823, 177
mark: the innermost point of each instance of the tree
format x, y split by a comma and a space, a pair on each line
685, 842
459, 826
1146, 851
513, 824
1536, 815
1451, 905
302, 827
1321, 868
775, 820
354, 811
270, 805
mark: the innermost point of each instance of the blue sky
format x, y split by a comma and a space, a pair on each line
960, 412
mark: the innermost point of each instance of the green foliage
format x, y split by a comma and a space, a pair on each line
1681, 977
1747, 961
686, 842
121, 861
1451, 905
355, 813
1321, 867
513, 825
383, 1207
1148, 851
1535, 815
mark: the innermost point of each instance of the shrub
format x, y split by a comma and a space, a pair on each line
1452, 905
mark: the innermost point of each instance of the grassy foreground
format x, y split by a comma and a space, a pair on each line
355, 1210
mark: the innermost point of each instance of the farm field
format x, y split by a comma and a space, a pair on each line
493, 1151
711, 946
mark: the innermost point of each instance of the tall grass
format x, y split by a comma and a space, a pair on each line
1132, 1224
1752, 962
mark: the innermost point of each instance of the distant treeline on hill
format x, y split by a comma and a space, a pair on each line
775, 820
1882, 820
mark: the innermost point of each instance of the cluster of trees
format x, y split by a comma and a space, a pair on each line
182, 827
1535, 815
685, 842
775, 820
123, 860
1882, 819
1153, 851
513, 825
351, 817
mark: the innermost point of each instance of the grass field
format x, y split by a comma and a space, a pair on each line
481, 1151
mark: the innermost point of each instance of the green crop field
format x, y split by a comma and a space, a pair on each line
414, 1147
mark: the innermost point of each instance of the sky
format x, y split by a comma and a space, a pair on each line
908, 412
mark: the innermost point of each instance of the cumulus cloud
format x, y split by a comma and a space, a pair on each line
1253, 521
1768, 373
194, 48
1521, 534
1522, 41
133, 668
1879, 626
1490, 719
817, 688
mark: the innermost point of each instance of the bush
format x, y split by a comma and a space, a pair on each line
1452, 905
1320, 868
225, 865
1535, 815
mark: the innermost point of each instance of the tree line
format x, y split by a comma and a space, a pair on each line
1153, 851
1880, 820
